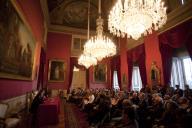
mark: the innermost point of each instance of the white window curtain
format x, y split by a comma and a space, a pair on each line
115, 80
182, 2
177, 73
136, 79
187, 66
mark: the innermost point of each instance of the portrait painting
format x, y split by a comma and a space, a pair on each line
17, 45
100, 73
56, 71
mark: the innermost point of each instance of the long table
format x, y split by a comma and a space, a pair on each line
48, 112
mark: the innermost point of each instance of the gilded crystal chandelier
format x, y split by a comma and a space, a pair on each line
86, 59
100, 46
136, 17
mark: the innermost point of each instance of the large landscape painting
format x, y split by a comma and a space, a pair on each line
17, 45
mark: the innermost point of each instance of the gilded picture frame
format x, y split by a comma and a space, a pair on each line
100, 73
17, 49
155, 75
124, 79
57, 70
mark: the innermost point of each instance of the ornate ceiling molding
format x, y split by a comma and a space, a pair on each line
131, 43
178, 16
175, 17
73, 13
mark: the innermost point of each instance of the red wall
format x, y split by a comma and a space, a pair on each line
152, 54
123, 57
94, 85
32, 12
58, 47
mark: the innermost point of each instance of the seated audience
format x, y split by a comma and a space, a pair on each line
178, 90
135, 98
100, 111
88, 99
188, 93
162, 107
168, 118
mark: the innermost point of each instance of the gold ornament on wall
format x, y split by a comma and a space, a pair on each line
155, 75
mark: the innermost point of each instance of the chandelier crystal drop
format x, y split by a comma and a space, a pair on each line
87, 60
100, 46
136, 17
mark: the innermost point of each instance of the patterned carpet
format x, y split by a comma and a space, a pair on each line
74, 118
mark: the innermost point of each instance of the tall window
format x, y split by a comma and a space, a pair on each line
181, 72
187, 66
136, 79
115, 80
177, 73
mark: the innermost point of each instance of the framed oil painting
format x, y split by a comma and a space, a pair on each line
155, 75
100, 73
17, 45
124, 79
56, 71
